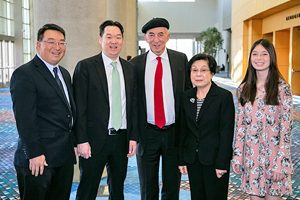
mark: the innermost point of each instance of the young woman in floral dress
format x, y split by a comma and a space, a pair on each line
263, 128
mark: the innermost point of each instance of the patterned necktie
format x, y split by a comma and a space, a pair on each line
159, 111
116, 110
59, 83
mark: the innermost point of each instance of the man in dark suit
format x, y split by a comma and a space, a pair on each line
161, 79
44, 109
106, 131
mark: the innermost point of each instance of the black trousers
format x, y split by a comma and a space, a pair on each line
159, 145
204, 183
114, 157
54, 184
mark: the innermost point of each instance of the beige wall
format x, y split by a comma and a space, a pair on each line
295, 60
191, 17
81, 20
278, 21
253, 19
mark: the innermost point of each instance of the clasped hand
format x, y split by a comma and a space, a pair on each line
219, 172
84, 150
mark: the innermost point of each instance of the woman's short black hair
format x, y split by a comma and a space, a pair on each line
212, 64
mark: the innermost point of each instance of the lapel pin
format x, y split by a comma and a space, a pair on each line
192, 100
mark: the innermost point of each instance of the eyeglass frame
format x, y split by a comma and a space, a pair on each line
54, 43
202, 71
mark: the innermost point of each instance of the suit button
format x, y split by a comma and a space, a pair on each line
68, 116
70, 130
197, 150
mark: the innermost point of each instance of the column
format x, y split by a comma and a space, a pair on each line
81, 20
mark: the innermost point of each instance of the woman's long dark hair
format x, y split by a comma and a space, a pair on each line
248, 91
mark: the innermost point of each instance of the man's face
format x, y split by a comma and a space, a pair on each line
53, 47
111, 42
157, 39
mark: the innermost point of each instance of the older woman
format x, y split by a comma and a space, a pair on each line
206, 132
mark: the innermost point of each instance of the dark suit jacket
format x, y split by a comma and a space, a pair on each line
210, 137
43, 115
178, 62
92, 100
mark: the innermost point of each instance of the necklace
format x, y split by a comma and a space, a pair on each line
262, 90
201, 97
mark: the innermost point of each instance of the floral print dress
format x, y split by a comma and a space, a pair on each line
262, 144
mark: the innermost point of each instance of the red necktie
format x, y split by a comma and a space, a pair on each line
159, 111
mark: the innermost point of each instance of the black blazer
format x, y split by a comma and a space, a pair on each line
210, 137
92, 100
178, 62
43, 116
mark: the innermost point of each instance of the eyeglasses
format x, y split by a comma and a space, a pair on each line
53, 43
202, 71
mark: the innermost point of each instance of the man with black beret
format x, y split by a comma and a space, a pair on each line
161, 78
155, 22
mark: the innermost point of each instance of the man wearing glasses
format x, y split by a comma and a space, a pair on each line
45, 113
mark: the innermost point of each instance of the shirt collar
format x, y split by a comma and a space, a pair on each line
48, 65
152, 56
107, 61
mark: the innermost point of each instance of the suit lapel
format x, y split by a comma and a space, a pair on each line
100, 70
174, 68
191, 101
69, 89
141, 70
43, 70
126, 80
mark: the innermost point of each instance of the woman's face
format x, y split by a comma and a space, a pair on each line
260, 58
200, 74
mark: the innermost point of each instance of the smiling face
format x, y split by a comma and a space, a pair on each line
51, 52
260, 58
201, 76
111, 42
157, 39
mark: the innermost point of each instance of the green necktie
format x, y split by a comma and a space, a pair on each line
116, 107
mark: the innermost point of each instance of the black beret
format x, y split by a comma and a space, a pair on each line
155, 22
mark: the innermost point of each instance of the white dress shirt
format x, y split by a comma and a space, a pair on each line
108, 70
168, 95
60, 76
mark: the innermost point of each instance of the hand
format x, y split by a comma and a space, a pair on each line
277, 176
37, 165
132, 148
236, 168
220, 172
183, 169
84, 150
